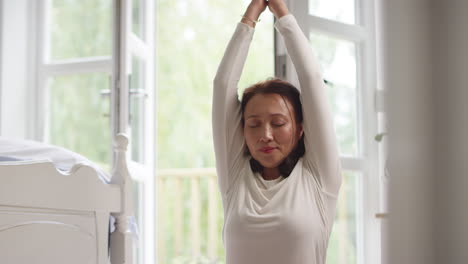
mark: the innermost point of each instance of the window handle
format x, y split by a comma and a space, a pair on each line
105, 92
139, 92
382, 215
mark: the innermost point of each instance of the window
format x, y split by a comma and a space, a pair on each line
341, 33
83, 55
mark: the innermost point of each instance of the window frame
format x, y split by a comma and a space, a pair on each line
369, 157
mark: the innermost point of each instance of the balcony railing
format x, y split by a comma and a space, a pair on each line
190, 200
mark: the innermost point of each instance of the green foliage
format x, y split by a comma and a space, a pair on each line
79, 115
80, 28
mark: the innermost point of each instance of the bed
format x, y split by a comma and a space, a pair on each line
53, 215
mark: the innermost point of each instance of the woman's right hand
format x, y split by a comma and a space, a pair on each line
255, 8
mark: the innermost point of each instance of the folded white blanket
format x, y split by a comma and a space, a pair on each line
63, 159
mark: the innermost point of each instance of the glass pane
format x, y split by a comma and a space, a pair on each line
338, 59
137, 109
340, 10
79, 116
187, 64
342, 247
138, 18
80, 28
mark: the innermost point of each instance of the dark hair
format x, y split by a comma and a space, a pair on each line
288, 92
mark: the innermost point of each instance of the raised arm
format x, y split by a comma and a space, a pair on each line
226, 116
322, 154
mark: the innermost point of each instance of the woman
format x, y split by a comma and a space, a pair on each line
278, 164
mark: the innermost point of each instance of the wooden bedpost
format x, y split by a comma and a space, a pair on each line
122, 239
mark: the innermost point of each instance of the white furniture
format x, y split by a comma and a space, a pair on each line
50, 217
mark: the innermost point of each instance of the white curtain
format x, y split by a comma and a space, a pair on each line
423, 65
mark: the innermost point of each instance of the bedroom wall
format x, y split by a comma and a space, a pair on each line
424, 62
14, 68
450, 87
405, 57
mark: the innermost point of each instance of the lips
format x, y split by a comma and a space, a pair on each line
267, 149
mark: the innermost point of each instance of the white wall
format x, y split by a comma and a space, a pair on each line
14, 58
424, 58
450, 69
407, 78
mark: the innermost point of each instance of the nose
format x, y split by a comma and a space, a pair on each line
267, 134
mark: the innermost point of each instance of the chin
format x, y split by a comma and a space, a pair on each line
269, 163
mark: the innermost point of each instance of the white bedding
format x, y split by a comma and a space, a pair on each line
28, 150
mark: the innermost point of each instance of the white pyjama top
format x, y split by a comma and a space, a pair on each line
287, 220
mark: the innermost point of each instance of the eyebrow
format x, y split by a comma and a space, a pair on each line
277, 114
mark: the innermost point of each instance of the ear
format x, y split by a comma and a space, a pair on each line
300, 130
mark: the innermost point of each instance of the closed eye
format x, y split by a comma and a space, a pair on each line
253, 123
278, 124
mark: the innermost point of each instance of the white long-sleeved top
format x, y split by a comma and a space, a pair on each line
288, 221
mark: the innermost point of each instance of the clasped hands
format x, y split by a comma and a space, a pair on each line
256, 7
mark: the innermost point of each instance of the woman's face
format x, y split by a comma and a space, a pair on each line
270, 129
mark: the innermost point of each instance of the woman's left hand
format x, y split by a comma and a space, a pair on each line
255, 8
260, 5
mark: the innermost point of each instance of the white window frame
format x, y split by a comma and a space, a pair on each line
127, 44
16, 65
369, 159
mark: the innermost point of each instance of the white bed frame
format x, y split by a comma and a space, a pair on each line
49, 217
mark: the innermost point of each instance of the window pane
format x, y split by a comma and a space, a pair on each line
80, 28
342, 247
79, 116
338, 59
137, 18
340, 10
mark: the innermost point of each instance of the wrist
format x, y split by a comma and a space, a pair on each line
253, 11
248, 22
280, 11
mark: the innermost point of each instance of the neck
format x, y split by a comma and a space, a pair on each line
270, 173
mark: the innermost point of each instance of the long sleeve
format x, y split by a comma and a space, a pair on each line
226, 114
322, 156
